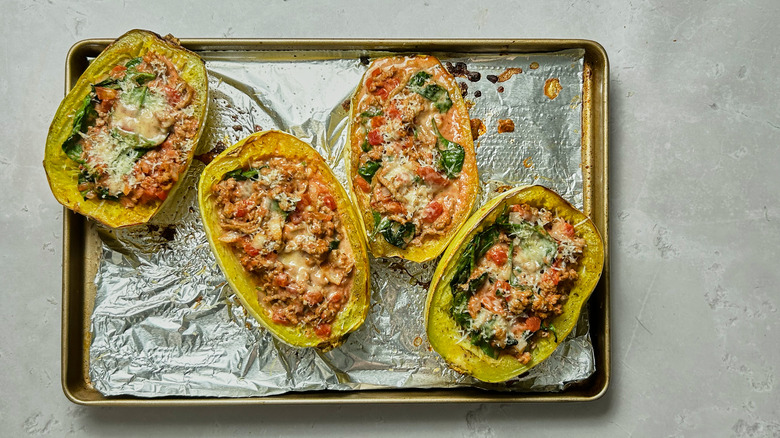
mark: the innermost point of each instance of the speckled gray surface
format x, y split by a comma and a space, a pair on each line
695, 215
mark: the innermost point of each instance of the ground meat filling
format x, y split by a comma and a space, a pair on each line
283, 220
513, 278
405, 165
139, 126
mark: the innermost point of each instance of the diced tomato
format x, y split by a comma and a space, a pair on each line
375, 138
516, 208
431, 176
362, 184
104, 93
162, 195
281, 279
295, 217
551, 276
323, 330
303, 203
240, 212
533, 323
392, 111
250, 250
377, 121
432, 211
118, 72
503, 285
279, 318
329, 201
497, 254
564, 228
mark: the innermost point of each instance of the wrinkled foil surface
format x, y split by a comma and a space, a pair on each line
166, 322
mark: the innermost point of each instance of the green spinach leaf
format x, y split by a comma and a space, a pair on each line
451, 154
395, 233
368, 170
241, 174
433, 92
84, 115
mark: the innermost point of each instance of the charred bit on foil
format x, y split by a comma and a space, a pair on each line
208, 156
500, 89
167, 232
461, 70
464, 89
534, 65
506, 125
477, 93
477, 128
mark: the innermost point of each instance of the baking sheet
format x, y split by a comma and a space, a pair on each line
328, 369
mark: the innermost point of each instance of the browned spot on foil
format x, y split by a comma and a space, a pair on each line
464, 88
208, 156
502, 189
469, 104
506, 125
552, 87
258, 128
345, 105
508, 73
461, 70
534, 65
417, 341
238, 128
500, 89
477, 128
528, 163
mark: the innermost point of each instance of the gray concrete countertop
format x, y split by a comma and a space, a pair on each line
695, 214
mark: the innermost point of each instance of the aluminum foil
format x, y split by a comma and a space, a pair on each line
167, 323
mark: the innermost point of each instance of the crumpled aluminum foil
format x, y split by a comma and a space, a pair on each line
165, 320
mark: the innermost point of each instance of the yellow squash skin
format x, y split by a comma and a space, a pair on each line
279, 144
430, 248
62, 172
443, 331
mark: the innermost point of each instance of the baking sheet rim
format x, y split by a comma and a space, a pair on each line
595, 165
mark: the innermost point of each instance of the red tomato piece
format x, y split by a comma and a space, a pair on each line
323, 330
432, 211
250, 250
377, 121
329, 201
431, 176
497, 254
533, 323
362, 184
375, 138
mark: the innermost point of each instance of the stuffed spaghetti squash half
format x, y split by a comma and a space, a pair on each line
287, 238
125, 134
412, 165
511, 286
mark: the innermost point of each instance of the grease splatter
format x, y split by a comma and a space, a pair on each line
552, 87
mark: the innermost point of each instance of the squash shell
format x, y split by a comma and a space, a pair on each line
442, 330
271, 144
431, 248
62, 172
